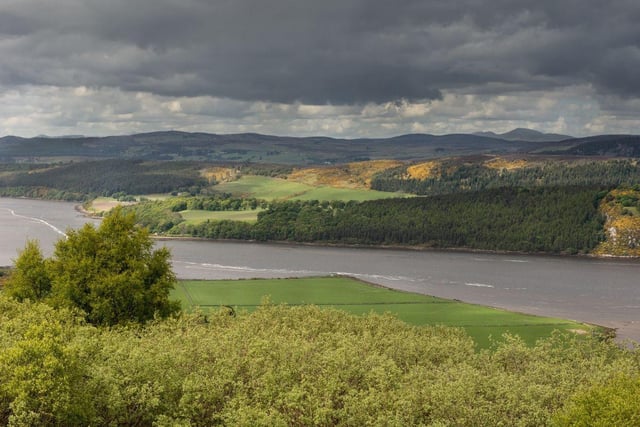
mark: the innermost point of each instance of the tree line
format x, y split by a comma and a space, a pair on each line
162, 216
103, 178
474, 176
548, 219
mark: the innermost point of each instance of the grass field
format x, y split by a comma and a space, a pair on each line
267, 188
198, 216
345, 194
360, 298
263, 187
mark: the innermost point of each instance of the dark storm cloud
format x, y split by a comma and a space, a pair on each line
316, 52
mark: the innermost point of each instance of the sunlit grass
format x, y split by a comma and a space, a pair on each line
261, 187
345, 194
357, 297
199, 216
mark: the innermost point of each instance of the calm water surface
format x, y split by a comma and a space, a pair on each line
605, 292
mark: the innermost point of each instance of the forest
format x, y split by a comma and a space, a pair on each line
481, 202
457, 175
556, 220
85, 180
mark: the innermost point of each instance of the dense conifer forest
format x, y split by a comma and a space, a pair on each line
558, 220
84, 180
458, 176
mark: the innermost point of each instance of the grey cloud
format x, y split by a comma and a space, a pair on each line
619, 71
317, 52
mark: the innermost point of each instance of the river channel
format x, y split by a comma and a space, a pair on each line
599, 291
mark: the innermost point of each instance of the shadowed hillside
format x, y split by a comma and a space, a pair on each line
251, 148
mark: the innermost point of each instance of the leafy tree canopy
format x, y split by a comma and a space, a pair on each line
111, 273
29, 279
300, 366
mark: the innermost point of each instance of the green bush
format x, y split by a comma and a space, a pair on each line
614, 403
286, 366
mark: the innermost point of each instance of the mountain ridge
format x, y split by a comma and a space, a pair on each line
525, 134
260, 148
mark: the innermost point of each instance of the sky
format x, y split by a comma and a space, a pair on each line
340, 68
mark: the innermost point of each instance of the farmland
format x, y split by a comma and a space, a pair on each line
268, 188
359, 298
198, 216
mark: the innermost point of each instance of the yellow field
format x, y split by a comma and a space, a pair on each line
100, 205
103, 204
424, 170
355, 175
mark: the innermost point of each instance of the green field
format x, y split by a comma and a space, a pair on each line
345, 194
198, 216
360, 298
262, 187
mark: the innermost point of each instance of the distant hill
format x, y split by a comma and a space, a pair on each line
257, 148
251, 147
601, 145
61, 136
523, 134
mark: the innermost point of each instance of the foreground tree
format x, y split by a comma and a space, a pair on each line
30, 279
300, 366
112, 273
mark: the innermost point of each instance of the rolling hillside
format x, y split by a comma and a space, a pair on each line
252, 148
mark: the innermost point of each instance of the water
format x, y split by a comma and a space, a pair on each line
604, 292
46, 221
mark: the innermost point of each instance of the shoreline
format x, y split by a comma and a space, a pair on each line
80, 208
83, 211
417, 248
626, 327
